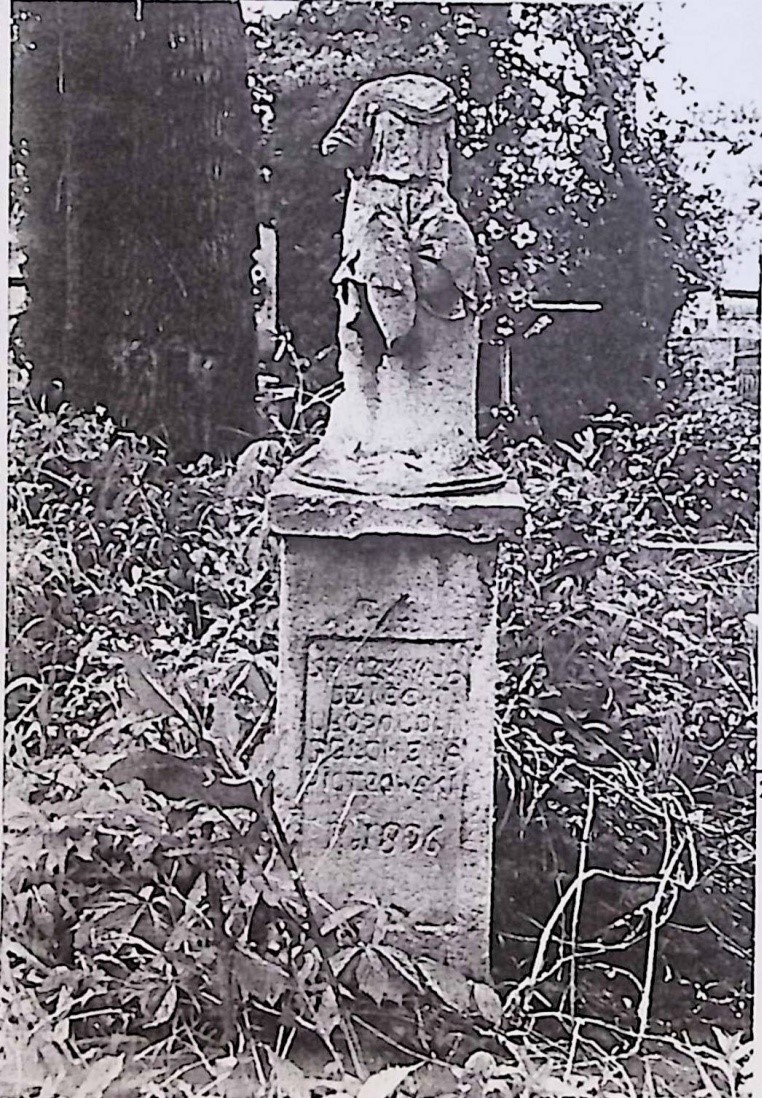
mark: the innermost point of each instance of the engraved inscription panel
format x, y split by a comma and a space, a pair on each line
382, 769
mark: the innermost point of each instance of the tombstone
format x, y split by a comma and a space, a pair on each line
746, 369
389, 533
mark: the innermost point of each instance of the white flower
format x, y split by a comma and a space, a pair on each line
495, 231
523, 234
572, 83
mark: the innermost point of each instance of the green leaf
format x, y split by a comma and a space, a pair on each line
290, 1081
481, 1063
575, 1086
223, 1068
436, 1080
152, 696
226, 727
261, 979
499, 1088
342, 957
328, 1012
372, 977
99, 1077
343, 915
447, 983
166, 1007
384, 1083
488, 1003
402, 964
257, 684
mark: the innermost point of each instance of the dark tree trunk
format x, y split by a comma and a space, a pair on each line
140, 217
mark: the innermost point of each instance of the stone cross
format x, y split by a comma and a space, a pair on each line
389, 534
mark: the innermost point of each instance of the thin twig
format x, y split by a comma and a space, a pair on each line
581, 867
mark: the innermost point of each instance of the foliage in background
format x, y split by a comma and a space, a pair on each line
143, 173
725, 144
630, 720
571, 193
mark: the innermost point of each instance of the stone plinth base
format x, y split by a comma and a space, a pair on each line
386, 704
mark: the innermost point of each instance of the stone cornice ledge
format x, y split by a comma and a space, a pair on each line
297, 510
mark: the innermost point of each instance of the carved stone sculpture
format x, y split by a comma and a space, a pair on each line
410, 289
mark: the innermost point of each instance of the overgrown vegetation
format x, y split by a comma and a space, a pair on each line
572, 187
157, 938
631, 722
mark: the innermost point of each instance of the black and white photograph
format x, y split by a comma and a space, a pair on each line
382, 586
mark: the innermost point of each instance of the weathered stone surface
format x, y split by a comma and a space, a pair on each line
298, 509
386, 714
383, 762
410, 290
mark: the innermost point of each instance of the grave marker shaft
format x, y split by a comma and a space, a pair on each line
390, 530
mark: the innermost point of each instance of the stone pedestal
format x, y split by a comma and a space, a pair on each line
386, 703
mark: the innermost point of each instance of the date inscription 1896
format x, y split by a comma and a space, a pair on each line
382, 764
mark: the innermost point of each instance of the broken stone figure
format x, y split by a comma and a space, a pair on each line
410, 289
